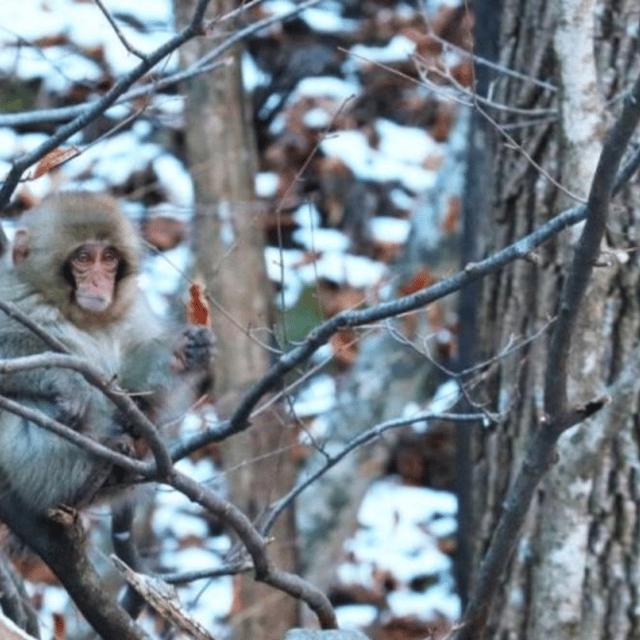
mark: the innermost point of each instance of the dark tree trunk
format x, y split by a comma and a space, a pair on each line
574, 573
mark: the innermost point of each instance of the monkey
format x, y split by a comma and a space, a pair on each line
76, 266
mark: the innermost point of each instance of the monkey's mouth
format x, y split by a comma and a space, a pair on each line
93, 303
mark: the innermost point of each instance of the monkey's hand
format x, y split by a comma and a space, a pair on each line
195, 350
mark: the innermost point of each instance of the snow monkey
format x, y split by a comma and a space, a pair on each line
75, 274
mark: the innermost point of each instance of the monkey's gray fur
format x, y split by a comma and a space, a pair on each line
43, 469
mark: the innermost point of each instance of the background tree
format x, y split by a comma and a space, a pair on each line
229, 250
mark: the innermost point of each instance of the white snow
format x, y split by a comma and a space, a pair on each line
266, 184
406, 144
325, 86
388, 229
175, 179
367, 163
252, 76
326, 19
398, 533
397, 49
307, 216
446, 395
356, 616
318, 396
85, 26
317, 118
321, 239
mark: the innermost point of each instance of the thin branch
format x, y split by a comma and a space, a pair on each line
64, 114
539, 458
370, 434
492, 65
204, 65
109, 387
61, 543
184, 577
470, 273
66, 131
80, 440
16, 314
256, 546
587, 250
125, 43
541, 450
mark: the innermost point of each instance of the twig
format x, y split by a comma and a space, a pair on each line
256, 546
204, 65
492, 65
80, 440
127, 45
163, 598
603, 187
24, 162
95, 377
14, 312
370, 434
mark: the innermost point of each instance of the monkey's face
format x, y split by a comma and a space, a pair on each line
94, 268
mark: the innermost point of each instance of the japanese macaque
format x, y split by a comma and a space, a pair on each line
75, 275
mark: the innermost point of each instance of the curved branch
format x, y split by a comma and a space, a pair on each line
257, 548
370, 434
204, 65
59, 542
540, 452
75, 437
471, 272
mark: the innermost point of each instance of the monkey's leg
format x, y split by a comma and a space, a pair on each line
123, 544
104, 474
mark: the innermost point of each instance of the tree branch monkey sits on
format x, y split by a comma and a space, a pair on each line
75, 274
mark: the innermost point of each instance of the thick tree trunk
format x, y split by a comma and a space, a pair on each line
229, 247
575, 571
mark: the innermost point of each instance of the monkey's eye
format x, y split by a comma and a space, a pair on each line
83, 255
111, 256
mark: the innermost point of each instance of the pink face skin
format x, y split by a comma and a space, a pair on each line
94, 267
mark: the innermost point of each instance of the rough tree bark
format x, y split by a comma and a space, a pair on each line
228, 242
575, 571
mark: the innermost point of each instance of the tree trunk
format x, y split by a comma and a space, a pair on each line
229, 247
575, 570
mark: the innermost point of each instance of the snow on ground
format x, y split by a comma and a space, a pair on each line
398, 533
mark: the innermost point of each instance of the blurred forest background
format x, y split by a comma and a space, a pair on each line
346, 154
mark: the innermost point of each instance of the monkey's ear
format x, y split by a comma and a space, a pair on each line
20, 250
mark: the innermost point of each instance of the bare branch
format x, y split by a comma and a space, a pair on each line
21, 164
80, 440
367, 436
163, 599
541, 451
60, 542
114, 25
14, 312
256, 546
603, 187
204, 65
